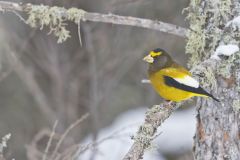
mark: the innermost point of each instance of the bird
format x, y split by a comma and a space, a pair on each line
170, 80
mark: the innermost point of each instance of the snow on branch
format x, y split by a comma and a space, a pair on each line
54, 18
234, 23
226, 50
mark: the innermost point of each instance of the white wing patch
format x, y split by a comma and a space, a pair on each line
188, 81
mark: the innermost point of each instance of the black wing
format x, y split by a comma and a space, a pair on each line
173, 83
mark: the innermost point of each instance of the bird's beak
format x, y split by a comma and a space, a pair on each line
148, 59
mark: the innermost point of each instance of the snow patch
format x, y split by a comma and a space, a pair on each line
176, 136
235, 23
226, 50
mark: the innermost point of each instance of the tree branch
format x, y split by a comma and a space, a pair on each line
138, 22
105, 18
146, 133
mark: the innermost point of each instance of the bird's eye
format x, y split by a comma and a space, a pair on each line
155, 54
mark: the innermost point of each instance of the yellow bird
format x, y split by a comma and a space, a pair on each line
170, 80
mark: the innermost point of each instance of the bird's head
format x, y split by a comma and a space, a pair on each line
157, 57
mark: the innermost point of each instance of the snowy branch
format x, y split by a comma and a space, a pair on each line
105, 18
147, 131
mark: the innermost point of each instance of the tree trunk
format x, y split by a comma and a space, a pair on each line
218, 124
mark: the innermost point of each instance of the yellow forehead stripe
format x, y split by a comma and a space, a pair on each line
154, 54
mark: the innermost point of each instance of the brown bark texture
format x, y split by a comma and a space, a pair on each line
218, 124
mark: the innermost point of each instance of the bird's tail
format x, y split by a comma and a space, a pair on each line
213, 98
209, 95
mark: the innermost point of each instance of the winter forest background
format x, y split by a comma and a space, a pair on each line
42, 81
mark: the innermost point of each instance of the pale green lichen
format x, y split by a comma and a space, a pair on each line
236, 105
75, 15
154, 109
225, 8
199, 31
225, 67
143, 140
206, 76
210, 80
146, 129
196, 37
55, 18
205, 34
238, 79
196, 46
201, 35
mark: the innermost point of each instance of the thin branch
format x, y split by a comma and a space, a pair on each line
114, 135
79, 32
50, 141
80, 120
10, 6
147, 131
137, 22
106, 18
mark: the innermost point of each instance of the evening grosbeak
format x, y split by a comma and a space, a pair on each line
172, 81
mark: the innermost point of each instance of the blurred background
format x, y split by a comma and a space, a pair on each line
42, 81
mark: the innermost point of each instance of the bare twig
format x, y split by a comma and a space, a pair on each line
114, 135
33, 151
77, 150
138, 22
50, 141
10, 6
145, 81
85, 116
79, 32
107, 18
19, 16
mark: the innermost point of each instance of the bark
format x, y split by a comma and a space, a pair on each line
217, 135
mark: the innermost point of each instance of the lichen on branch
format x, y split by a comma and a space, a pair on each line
54, 18
155, 116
